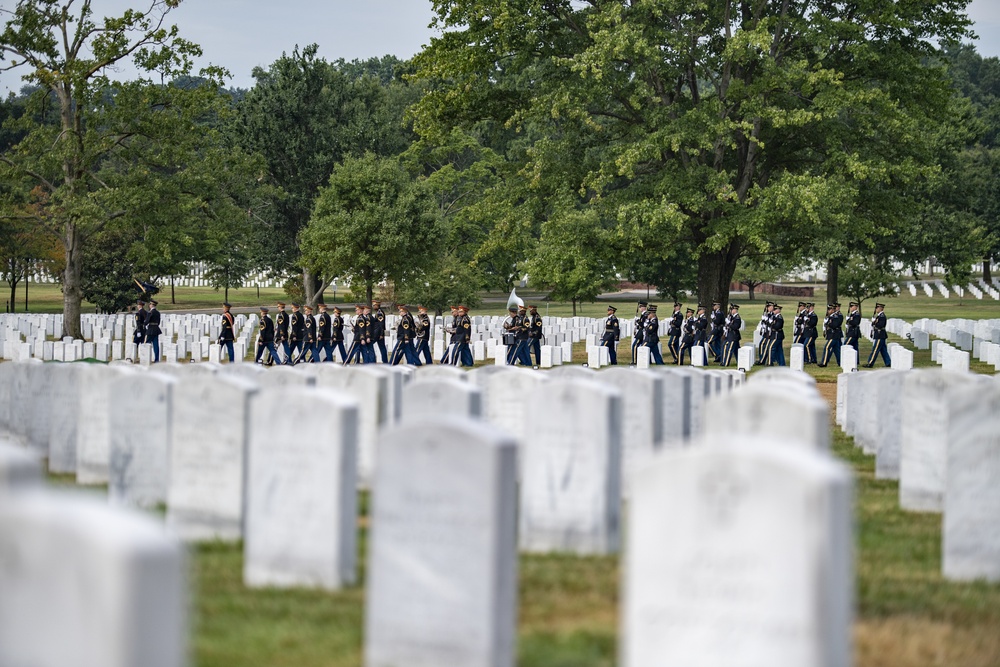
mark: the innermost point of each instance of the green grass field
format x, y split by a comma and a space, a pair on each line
907, 615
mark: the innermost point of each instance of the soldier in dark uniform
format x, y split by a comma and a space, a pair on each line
776, 343
511, 324
449, 350
687, 336
281, 333
139, 334
879, 336
309, 352
834, 333
535, 333
324, 346
153, 330
227, 334
402, 351
378, 331
853, 325
337, 335
700, 326
354, 355
612, 333
651, 335
368, 347
764, 328
423, 347
522, 337
797, 325
266, 339
674, 331
717, 319
463, 334
731, 334
640, 320
296, 334
809, 321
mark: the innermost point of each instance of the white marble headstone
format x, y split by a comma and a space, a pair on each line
93, 430
140, 425
441, 398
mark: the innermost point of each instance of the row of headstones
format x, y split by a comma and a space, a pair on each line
769, 518
936, 432
964, 333
978, 292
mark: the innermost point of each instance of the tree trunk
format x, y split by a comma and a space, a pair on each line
27, 279
226, 297
369, 291
73, 282
312, 288
750, 288
987, 269
173, 299
832, 277
574, 307
715, 273
11, 307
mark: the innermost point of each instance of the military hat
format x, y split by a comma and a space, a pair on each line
612, 309
854, 303
801, 303
402, 306
532, 306
677, 304
769, 303
701, 307
374, 301
321, 305
264, 309
336, 309
652, 307
308, 307
359, 305
810, 305
281, 303
777, 306
734, 306
880, 305
643, 303
141, 302
421, 307
716, 303
295, 305
465, 308
520, 307
226, 304
154, 303
690, 310
512, 309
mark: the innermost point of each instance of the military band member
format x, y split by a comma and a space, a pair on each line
403, 350
452, 328
833, 333
139, 334
637, 324
359, 328
378, 330
509, 339
776, 341
153, 329
798, 323
281, 332
674, 331
809, 321
227, 333
731, 334
717, 319
296, 333
535, 333
368, 345
612, 333
324, 343
463, 334
764, 329
853, 325
651, 335
879, 336
687, 337
423, 337
522, 336
265, 341
309, 351
337, 334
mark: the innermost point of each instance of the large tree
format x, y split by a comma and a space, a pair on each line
112, 138
723, 123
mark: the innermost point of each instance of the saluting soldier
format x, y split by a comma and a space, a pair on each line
674, 331
776, 343
378, 330
281, 333
423, 347
227, 333
535, 333
265, 341
651, 335
833, 333
717, 319
637, 325
403, 350
337, 334
612, 333
309, 337
463, 333
731, 333
324, 343
296, 334
879, 337
687, 337
809, 322
799, 322
853, 325
153, 329
139, 335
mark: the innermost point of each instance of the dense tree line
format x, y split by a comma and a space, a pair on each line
681, 144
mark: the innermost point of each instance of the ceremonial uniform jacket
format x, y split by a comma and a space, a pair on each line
361, 329
404, 328
700, 327
612, 330
718, 319
309, 328
423, 326
266, 329
676, 322
651, 331
832, 329
732, 328
778, 327
690, 324
799, 322
323, 323
152, 324
140, 321
637, 325
227, 327
297, 326
878, 326
765, 325
854, 324
463, 330
809, 322
522, 327
535, 324
378, 324
281, 326
337, 329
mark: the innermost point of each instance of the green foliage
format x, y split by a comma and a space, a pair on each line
371, 223
863, 278
107, 274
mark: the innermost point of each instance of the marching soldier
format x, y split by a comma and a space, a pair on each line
612, 333
463, 334
368, 345
378, 330
651, 335
265, 341
403, 351
281, 333
674, 331
423, 324
510, 326
731, 333
324, 344
879, 337
153, 330
717, 319
535, 333
764, 329
687, 339
337, 334
139, 334
853, 325
449, 351
833, 333
799, 322
354, 354
522, 336
776, 341
637, 325
809, 321
227, 335
309, 337
296, 334
700, 326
